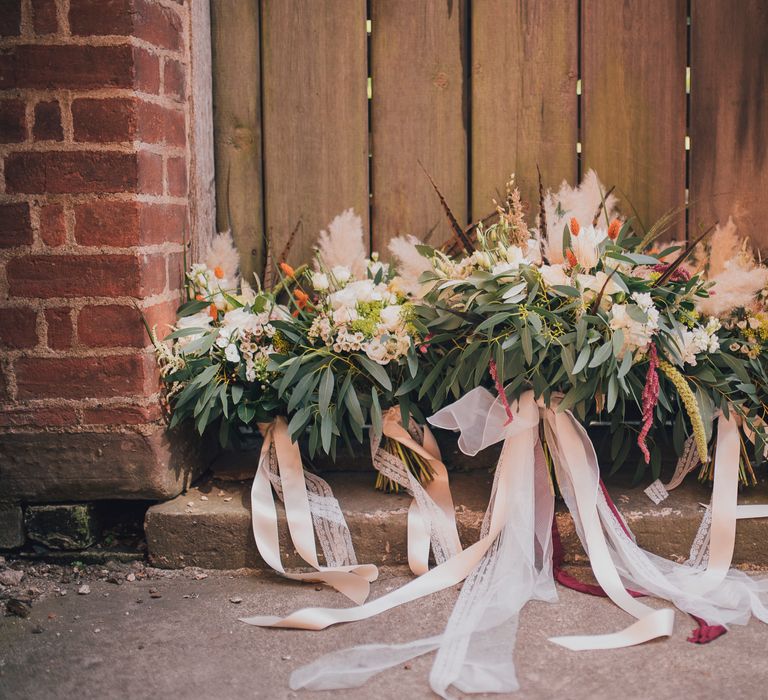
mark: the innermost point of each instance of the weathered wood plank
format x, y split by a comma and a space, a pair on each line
729, 115
237, 123
419, 113
315, 117
524, 103
633, 92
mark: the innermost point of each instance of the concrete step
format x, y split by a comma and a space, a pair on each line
210, 525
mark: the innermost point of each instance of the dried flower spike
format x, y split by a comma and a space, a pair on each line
613, 229
574, 226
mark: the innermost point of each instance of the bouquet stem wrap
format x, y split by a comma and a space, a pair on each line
511, 563
431, 515
310, 508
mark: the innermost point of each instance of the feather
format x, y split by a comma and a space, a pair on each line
569, 202
410, 263
343, 244
223, 255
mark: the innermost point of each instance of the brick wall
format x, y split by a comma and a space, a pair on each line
94, 161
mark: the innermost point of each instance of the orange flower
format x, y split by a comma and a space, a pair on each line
213, 312
218, 272
613, 229
199, 297
571, 258
575, 228
288, 271
301, 298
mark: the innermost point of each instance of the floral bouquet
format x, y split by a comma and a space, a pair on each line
215, 362
351, 348
583, 308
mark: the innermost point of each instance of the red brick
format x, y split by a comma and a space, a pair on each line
101, 17
80, 377
162, 223
5, 393
53, 229
13, 121
40, 66
60, 331
44, 17
146, 71
173, 79
18, 328
150, 173
122, 415
105, 120
154, 273
175, 271
177, 177
39, 417
160, 125
162, 317
107, 222
63, 172
111, 326
46, 276
48, 122
10, 18
15, 226
145, 20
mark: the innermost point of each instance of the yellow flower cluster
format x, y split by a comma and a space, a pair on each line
691, 407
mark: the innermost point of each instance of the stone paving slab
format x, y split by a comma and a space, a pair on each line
210, 525
118, 642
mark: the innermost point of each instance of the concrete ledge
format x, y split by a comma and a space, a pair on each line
216, 532
55, 467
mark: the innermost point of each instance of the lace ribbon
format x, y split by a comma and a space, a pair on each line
431, 515
512, 561
310, 508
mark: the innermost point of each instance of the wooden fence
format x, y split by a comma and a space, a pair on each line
320, 105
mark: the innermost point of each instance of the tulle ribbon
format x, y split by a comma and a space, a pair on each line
511, 563
312, 511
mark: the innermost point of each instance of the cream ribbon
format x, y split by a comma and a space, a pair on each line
577, 470
425, 522
518, 445
354, 581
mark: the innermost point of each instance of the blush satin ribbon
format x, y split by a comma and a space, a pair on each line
514, 520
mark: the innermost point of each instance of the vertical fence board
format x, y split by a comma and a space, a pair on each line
729, 115
237, 124
419, 113
315, 117
524, 72
634, 103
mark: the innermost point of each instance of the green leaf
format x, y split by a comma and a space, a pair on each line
582, 359
326, 431
525, 337
304, 387
289, 375
299, 421
613, 392
626, 364
375, 411
618, 341
237, 393
353, 405
190, 308
326, 390
602, 354
376, 370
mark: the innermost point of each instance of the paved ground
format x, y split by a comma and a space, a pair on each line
118, 642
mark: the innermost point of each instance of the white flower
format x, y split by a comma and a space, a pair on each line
345, 314
637, 334
320, 281
596, 282
341, 273
200, 320
554, 275
231, 353
585, 246
376, 349
344, 297
391, 317
374, 266
503, 267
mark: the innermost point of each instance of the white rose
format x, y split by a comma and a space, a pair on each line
341, 273
365, 291
344, 297
554, 275
320, 281
596, 282
345, 314
377, 351
390, 317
